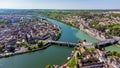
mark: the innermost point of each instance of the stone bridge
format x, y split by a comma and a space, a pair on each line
61, 43
105, 43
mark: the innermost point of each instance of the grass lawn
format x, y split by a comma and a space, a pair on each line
116, 26
72, 62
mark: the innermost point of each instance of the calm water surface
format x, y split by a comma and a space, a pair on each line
52, 55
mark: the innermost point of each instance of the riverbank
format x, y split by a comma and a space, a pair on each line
64, 22
67, 62
58, 34
27, 47
5, 55
71, 61
92, 34
29, 51
84, 30
52, 53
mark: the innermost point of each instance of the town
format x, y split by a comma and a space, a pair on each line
98, 25
59, 33
93, 23
22, 33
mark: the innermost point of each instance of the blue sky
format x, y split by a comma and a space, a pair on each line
60, 4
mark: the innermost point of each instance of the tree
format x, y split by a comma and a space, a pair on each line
40, 44
49, 66
29, 48
78, 55
77, 65
118, 54
114, 53
96, 46
37, 41
79, 41
75, 48
84, 40
12, 49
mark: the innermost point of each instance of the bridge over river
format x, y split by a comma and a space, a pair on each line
70, 44
105, 43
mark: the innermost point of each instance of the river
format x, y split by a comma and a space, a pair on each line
52, 55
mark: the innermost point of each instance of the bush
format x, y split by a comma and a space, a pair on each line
49, 66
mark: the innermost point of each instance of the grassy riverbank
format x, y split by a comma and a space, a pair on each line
72, 63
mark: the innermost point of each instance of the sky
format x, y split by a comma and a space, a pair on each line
60, 4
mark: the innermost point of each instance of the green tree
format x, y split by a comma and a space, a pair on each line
78, 55
77, 65
96, 46
49, 66
114, 53
84, 40
40, 44
79, 41
118, 54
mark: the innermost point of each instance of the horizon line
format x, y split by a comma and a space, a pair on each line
52, 9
